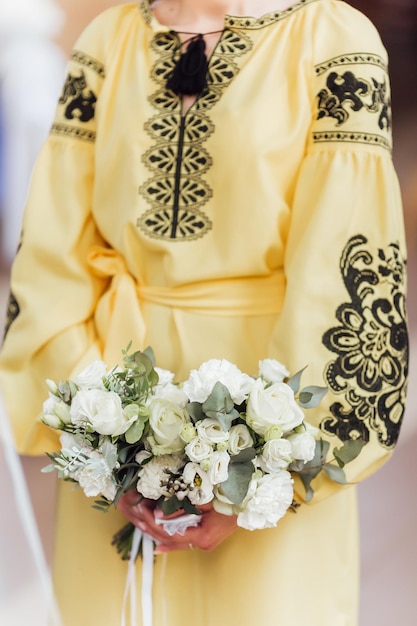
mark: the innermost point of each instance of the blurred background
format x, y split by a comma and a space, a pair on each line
36, 37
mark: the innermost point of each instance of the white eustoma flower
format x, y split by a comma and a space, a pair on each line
200, 383
276, 455
92, 376
166, 420
273, 371
102, 410
155, 473
239, 439
267, 501
219, 466
303, 446
201, 489
211, 431
272, 406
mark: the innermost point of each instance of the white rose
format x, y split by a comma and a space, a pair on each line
272, 406
198, 450
267, 501
200, 383
166, 420
276, 455
210, 430
272, 371
102, 410
239, 439
201, 489
155, 473
92, 376
303, 446
219, 466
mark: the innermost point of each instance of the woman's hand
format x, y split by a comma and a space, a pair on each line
212, 530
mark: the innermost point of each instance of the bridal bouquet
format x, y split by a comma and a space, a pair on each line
221, 436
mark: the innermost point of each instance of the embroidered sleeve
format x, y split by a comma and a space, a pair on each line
75, 115
352, 100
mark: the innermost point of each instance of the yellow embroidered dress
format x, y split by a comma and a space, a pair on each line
264, 222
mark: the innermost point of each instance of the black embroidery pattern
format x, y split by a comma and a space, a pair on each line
178, 159
12, 312
371, 344
345, 93
79, 100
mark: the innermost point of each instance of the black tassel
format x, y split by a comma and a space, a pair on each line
190, 73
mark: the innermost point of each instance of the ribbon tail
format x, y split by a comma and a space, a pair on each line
147, 580
130, 587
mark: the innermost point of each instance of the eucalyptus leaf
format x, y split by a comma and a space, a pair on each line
195, 411
348, 451
295, 380
244, 456
320, 454
335, 473
310, 397
307, 476
190, 508
219, 400
135, 432
236, 486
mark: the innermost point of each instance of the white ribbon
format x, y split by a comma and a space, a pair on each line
147, 579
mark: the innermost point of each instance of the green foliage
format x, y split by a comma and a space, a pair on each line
236, 486
310, 397
220, 406
295, 381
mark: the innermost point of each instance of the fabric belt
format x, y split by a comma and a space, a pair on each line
246, 296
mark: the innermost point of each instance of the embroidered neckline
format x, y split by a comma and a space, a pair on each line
243, 22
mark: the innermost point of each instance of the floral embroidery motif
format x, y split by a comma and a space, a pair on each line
371, 344
345, 93
77, 103
178, 159
356, 99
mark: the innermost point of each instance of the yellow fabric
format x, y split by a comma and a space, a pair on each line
281, 235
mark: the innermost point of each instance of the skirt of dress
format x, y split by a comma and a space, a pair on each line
304, 571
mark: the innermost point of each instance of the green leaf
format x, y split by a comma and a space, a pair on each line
335, 473
47, 469
135, 432
220, 406
311, 397
190, 508
195, 411
172, 505
244, 456
236, 486
295, 380
307, 477
348, 451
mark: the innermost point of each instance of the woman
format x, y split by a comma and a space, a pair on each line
247, 211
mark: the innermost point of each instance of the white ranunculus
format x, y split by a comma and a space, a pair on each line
303, 446
267, 501
219, 466
152, 476
210, 430
166, 420
239, 439
102, 410
272, 371
201, 489
198, 450
272, 406
200, 383
92, 376
276, 455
